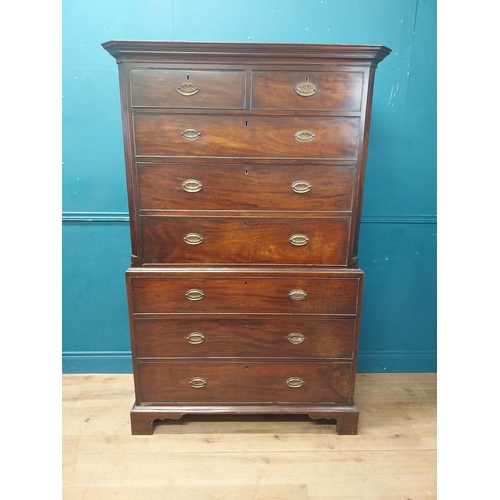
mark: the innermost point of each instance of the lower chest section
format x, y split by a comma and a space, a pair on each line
244, 337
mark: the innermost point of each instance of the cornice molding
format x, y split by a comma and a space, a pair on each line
131, 50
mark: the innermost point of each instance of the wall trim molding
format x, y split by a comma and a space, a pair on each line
397, 362
97, 362
399, 219
97, 217
368, 362
123, 217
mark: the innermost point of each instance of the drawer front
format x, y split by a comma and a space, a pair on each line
244, 240
266, 295
205, 337
240, 382
237, 136
174, 88
245, 187
314, 90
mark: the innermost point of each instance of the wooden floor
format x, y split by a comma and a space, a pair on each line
392, 457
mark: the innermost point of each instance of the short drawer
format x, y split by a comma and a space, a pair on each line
252, 136
243, 382
175, 88
244, 240
247, 337
196, 294
245, 187
308, 90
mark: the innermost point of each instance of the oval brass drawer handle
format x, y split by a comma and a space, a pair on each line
299, 240
194, 294
294, 382
193, 238
297, 294
306, 89
296, 338
191, 134
195, 338
197, 382
304, 135
187, 89
192, 186
300, 187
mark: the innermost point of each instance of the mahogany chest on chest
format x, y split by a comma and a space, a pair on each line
245, 165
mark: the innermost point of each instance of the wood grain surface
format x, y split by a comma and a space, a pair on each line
249, 457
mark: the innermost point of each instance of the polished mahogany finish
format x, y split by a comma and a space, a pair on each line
245, 168
206, 89
338, 90
204, 186
243, 336
243, 382
244, 240
245, 292
236, 136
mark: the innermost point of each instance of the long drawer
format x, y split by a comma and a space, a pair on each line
302, 187
245, 337
245, 240
243, 382
246, 136
197, 293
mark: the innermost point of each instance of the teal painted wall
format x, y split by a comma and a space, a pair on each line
398, 232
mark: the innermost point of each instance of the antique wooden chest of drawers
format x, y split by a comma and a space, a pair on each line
245, 167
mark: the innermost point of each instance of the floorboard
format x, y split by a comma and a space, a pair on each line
258, 458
